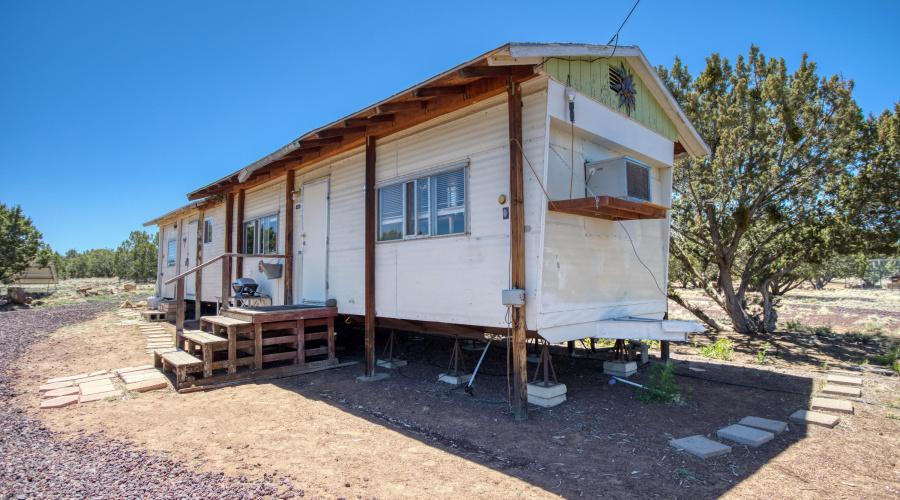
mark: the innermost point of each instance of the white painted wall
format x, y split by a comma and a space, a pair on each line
264, 200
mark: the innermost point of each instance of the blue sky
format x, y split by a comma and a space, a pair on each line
110, 112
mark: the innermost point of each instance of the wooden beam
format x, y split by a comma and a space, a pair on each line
517, 249
337, 132
439, 91
179, 307
226, 263
482, 71
198, 276
679, 149
289, 238
370, 257
239, 241
312, 150
311, 143
391, 107
363, 121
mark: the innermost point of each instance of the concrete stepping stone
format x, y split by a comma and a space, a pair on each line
55, 385
65, 391
87, 391
131, 378
833, 405
120, 371
844, 380
101, 372
745, 435
100, 395
815, 418
841, 390
700, 446
764, 424
59, 402
838, 371
93, 379
65, 379
147, 385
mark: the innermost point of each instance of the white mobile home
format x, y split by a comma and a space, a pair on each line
408, 213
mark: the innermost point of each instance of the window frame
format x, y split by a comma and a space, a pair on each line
171, 257
256, 246
208, 223
431, 176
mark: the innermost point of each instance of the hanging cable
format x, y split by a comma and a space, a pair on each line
641, 261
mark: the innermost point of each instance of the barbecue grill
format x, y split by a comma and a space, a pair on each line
244, 287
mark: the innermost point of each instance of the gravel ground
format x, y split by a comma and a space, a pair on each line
38, 463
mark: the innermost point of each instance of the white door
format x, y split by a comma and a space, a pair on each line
189, 258
313, 250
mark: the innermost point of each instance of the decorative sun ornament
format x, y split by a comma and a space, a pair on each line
622, 83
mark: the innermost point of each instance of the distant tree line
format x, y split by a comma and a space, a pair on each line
134, 260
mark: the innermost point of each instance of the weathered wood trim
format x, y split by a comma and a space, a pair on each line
226, 263
239, 262
370, 256
198, 276
517, 248
608, 208
289, 238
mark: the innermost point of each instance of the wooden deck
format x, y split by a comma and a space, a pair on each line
246, 343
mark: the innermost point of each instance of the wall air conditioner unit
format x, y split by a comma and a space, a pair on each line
620, 177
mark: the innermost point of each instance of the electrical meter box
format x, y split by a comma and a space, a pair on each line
514, 297
620, 177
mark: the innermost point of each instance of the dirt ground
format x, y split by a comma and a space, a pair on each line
411, 437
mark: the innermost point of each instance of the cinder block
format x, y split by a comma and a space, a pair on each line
745, 435
773, 426
833, 405
622, 369
844, 380
841, 390
546, 402
455, 379
391, 364
553, 389
815, 418
700, 446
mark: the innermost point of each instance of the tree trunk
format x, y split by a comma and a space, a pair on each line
770, 315
696, 311
733, 304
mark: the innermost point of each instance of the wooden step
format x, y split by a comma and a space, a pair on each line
200, 337
179, 358
178, 361
224, 321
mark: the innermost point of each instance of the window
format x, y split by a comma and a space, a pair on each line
170, 254
207, 231
261, 235
430, 206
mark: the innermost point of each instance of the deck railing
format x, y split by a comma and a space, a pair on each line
226, 281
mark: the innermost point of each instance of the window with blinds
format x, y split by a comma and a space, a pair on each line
261, 235
429, 206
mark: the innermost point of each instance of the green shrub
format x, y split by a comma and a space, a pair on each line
721, 349
661, 387
762, 355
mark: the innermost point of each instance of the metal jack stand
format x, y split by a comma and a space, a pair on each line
548, 366
390, 362
454, 375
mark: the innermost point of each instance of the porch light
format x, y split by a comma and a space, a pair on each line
570, 97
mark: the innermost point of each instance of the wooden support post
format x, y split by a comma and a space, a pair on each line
257, 346
517, 247
198, 274
289, 238
161, 261
239, 261
179, 308
370, 256
664, 344
226, 262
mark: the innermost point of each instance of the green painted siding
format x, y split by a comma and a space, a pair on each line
592, 78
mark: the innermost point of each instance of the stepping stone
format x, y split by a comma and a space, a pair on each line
841, 390
833, 405
141, 376
101, 372
100, 395
96, 383
147, 385
55, 385
120, 371
844, 380
815, 418
93, 379
745, 435
65, 391
773, 426
65, 379
700, 446
844, 372
59, 402
97, 389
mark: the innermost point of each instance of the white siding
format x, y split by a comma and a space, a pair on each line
264, 200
